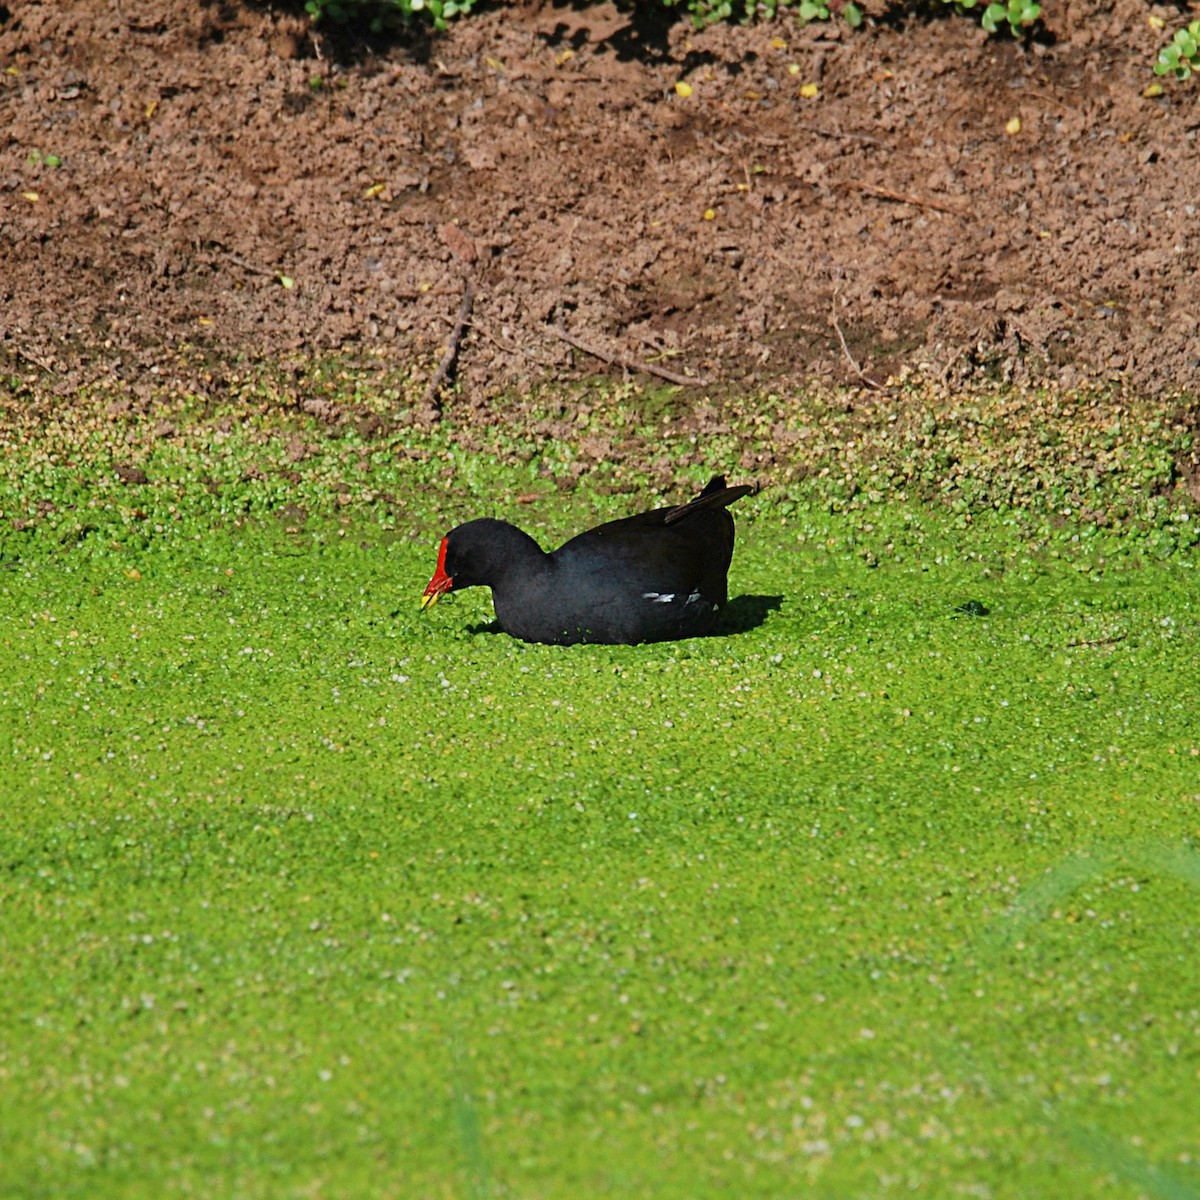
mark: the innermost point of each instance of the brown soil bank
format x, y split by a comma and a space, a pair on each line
166, 167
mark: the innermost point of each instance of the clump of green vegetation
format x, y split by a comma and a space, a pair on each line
1181, 56
379, 15
1018, 15
708, 12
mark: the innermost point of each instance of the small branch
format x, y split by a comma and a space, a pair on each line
447, 364
627, 364
820, 131
945, 375
508, 349
863, 376
135, 26
865, 138
31, 358
239, 261
901, 198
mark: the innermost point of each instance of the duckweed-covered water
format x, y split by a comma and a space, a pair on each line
891, 890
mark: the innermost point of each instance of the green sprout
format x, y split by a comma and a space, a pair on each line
1181, 56
1018, 14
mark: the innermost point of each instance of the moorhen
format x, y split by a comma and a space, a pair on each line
650, 578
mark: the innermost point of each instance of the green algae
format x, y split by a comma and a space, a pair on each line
893, 887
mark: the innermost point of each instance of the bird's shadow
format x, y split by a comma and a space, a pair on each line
740, 615
744, 613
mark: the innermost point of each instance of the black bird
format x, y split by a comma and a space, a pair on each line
651, 578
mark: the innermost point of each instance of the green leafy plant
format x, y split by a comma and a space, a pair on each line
1181, 55
379, 15
819, 10
706, 12
1018, 15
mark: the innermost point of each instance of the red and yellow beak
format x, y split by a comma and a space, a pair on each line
441, 582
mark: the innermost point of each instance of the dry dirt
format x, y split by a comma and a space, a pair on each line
739, 235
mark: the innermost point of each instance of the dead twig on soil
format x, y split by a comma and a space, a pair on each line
874, 385
821, 131
627, 364
447, 364
484, 331
138, 26
239, 261
844, 135
31, 358
945, 375
901, 198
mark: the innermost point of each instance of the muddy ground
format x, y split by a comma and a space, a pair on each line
186, 183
